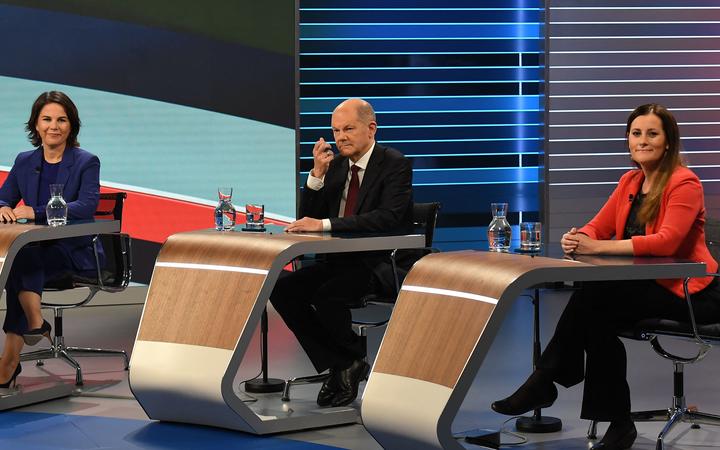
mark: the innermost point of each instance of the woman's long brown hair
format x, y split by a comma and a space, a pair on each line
669, 162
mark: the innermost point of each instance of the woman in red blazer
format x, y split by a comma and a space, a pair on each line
656, 210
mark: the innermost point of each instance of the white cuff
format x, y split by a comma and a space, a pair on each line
326, 225
315, 183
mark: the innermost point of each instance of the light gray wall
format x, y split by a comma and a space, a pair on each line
603, 61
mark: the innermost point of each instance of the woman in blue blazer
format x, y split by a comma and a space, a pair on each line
53, 128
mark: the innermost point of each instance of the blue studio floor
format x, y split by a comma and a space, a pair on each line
40, 431
105, 415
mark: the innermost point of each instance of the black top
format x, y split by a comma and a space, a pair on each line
633, 227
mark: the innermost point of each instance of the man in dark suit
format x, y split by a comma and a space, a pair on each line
365, 188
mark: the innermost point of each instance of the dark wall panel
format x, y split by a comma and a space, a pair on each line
457, 86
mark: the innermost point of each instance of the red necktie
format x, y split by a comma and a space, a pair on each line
352, 193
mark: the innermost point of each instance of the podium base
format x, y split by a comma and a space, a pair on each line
260, 386
543, 424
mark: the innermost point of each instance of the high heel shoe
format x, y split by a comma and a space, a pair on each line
620, 436
13, 378
538, 391
35, 335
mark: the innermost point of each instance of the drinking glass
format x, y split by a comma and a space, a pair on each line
530, 236
254, 216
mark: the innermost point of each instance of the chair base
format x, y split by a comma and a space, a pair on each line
60, 351
311, 379
672, 416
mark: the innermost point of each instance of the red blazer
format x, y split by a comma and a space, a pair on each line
678, 230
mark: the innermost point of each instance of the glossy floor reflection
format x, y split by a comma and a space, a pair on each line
113, 323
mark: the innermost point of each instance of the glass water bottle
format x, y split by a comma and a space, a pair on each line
56, 209
225, 211
499, 231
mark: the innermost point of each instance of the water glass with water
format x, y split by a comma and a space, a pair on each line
254, 216
499, 231
56, 209
225, 211
530, 236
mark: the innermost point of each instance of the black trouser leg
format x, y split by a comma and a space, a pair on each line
585, 345
313, 303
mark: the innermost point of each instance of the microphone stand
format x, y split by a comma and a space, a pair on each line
264, 384
537, 423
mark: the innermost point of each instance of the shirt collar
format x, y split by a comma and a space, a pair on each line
363, 161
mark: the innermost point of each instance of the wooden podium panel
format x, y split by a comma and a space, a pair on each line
449, 310
205, 299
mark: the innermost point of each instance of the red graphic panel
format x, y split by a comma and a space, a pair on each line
154, 218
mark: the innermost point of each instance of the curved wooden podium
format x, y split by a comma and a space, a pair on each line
13, 237
448, 312
205, 299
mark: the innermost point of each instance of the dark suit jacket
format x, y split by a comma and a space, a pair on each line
384, 204
79, 171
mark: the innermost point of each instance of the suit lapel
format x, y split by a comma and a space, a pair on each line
33, 179
372, 174
65, 165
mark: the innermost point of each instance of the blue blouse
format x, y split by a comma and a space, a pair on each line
48, 176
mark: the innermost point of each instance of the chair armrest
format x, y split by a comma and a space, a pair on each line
691, 311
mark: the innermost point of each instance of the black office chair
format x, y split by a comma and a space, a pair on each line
113, 277
704, 336
425, 218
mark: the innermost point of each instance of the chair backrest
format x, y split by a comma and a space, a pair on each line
712, 237
115, 275
425, 215
118, 261
110, 206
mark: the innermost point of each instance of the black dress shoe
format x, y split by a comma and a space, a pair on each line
34, 336
348, 381
328, 390
13, 378
620, 436
537, 392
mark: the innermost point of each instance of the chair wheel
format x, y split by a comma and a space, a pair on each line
695, 426
40, 362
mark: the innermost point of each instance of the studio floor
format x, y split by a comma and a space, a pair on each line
104, 414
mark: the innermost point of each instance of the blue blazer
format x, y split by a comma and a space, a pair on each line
79, 171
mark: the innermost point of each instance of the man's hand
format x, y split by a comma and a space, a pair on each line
305, 224
24, 212
6, 214
322, 155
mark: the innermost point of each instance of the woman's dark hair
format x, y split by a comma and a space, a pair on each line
70, 109
670, 161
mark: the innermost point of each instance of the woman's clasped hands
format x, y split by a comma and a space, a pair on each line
8, 214
573, 242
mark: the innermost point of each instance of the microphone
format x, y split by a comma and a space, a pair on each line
37, 169
630, 197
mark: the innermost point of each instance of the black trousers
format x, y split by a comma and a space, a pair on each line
313, 302
33, 266
585, 345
